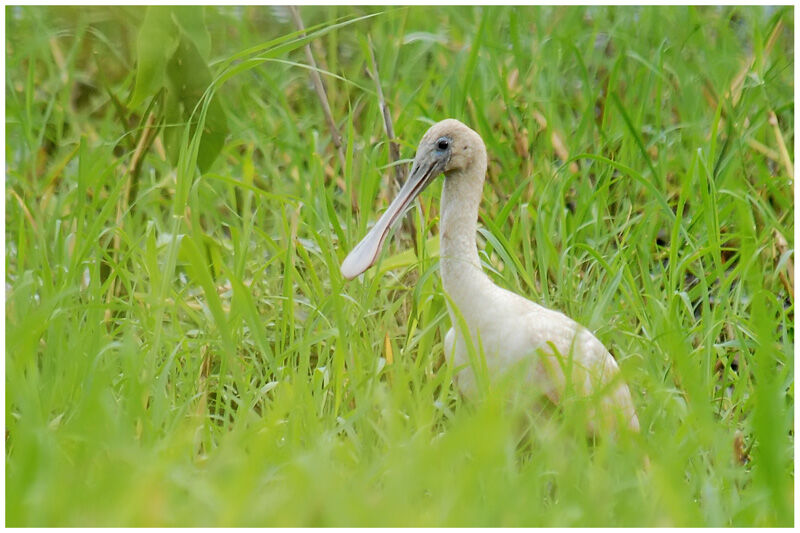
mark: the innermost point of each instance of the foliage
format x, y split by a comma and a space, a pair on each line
172, 51
181, 348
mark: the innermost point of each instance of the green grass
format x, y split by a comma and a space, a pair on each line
191, 355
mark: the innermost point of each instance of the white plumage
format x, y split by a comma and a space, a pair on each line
509, 328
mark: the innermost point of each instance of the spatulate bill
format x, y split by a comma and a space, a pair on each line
366, 251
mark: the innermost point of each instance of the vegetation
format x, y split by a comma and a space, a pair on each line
181, 348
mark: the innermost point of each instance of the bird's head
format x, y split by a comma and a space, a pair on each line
451, 146
448, 147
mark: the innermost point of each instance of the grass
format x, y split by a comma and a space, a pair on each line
181, 348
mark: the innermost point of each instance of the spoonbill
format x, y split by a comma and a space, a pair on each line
510, 329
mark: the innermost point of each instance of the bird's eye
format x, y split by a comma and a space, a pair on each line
443, 143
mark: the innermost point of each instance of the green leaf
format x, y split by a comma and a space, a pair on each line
156, 43
191, 19
188, 78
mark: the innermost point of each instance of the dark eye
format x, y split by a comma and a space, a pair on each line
443, 143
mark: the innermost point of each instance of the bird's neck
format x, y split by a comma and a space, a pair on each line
459, 263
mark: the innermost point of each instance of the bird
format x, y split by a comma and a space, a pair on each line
563, 356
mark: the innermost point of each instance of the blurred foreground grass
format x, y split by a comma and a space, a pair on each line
182, 350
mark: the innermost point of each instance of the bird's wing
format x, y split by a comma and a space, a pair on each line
567, 349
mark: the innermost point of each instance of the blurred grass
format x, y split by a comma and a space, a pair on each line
213, 368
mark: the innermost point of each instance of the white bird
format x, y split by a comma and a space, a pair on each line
507, 327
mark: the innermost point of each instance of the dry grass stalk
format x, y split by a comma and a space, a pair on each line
785, 158
145, 140
320, 89
787, 274
388, 127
